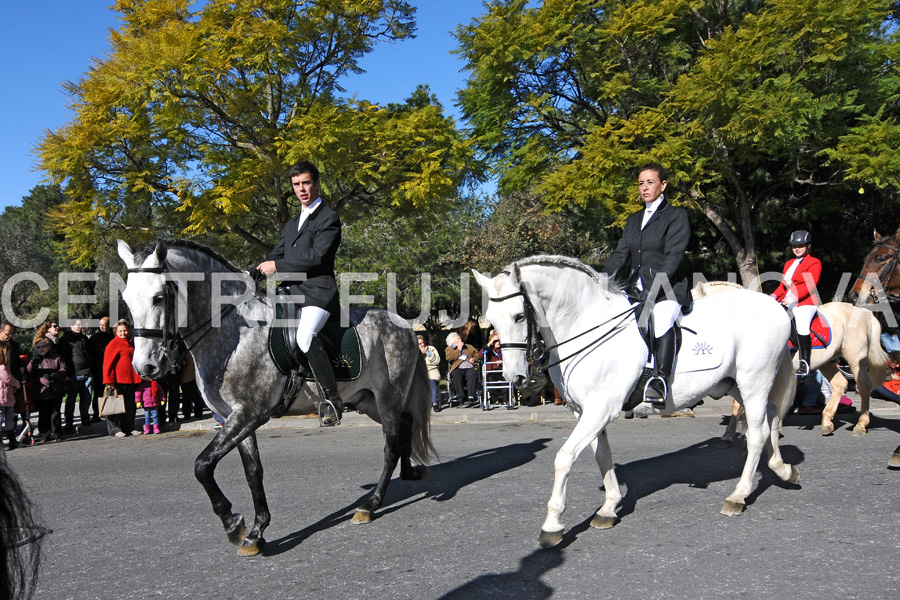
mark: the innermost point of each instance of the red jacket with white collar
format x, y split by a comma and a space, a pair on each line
803, 281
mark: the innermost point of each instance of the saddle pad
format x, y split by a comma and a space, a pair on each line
697, 353
341, 344
820, 330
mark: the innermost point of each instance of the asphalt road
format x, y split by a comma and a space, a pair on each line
130, 521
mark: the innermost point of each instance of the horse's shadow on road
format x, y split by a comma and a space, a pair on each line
446, 479
698, 466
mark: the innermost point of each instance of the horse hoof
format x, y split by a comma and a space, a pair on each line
895, 460
858, 432
362, 515
724, 444
249, 548
549, 539
416, 473
236, 532
827, 428
795, 475
732, 509
603, 522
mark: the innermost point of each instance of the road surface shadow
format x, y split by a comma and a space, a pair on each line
445, 481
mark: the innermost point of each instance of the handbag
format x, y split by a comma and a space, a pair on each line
111, 403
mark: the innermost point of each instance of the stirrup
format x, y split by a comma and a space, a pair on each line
656, 401
328, 413
802, 369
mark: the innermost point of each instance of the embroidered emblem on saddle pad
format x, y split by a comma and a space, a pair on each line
341, 344
820, 332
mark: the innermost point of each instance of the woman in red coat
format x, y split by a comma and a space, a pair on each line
118, 372
797, 292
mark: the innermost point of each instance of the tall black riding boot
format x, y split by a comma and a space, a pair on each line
664, 352
321, 368
804, 342
11, 436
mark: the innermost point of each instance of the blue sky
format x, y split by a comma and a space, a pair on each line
47, 42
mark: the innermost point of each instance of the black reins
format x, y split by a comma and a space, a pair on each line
536, 350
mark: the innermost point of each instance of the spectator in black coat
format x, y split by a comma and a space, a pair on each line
76, 350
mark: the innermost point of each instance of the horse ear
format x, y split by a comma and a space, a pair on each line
878, 236
125, 253
160, 251
514, 274
483, 280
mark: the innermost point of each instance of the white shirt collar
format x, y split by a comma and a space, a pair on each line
306, 211
652, 206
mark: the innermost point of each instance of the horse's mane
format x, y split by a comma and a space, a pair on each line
142, 254
601, 279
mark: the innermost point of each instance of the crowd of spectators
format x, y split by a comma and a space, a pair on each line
69, 369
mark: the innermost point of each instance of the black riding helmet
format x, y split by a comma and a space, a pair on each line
800, 238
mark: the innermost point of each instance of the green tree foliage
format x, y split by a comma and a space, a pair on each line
519, 224
189, 125
770, 115
28, 246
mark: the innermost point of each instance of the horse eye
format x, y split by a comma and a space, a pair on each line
882, 258
158, 299
519, 317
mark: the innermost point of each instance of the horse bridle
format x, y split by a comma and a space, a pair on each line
174, 344
885, 275
536, 350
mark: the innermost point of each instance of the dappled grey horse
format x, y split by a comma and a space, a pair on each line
185, 297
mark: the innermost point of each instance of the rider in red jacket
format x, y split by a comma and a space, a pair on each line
797, 292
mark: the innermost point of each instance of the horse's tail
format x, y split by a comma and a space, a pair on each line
878, 359
418, 402
784, 388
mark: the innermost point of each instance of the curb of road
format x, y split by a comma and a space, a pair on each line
500, 415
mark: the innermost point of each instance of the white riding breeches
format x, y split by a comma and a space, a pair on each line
665, 314
312, 320
803, 316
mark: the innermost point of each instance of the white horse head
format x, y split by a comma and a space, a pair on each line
508, 313
144, 293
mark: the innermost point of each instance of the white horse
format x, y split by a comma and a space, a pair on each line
733, 344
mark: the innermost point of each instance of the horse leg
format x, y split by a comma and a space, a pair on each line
606, 516
730, 436
864, 387
253, 541
757, 432
838, 386
236, 428
783, 470
392, 452
584, 433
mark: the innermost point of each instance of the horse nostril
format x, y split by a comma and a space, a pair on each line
853, 297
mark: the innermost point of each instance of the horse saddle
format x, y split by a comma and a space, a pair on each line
341, 344
819, 330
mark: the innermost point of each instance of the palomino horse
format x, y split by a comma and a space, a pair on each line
597, 355
239, 383
855, 335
